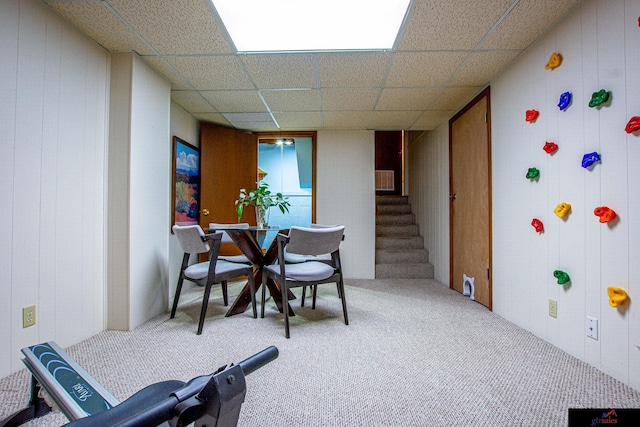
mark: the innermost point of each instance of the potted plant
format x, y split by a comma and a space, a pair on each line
262, 199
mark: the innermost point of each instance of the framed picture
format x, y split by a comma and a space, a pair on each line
186, 183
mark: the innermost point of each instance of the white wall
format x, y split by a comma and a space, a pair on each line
345, 194
599, 44
428, 172
139, 181
53, 114
149, 193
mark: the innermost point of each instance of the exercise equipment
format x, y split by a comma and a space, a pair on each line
208, 400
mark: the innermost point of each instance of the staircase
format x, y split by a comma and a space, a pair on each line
400, 252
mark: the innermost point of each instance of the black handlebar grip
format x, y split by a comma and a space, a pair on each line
258, 360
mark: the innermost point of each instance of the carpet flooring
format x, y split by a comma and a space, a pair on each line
414, 354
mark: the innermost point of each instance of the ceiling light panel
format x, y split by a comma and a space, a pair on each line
312, 25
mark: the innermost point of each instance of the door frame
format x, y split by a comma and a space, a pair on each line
299, 134
485, 93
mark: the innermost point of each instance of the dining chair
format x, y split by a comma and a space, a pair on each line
307, 241
193, 241
295, 258
241, 258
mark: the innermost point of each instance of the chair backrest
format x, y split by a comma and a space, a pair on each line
191, 238
314, 240
226, 226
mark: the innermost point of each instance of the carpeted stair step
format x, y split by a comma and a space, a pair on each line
400, 252
402, 256
392, 200
397, 230
394, 209
400, 242
404, 271
408, 218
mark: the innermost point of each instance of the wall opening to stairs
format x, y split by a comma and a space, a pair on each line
400, 249
389, 163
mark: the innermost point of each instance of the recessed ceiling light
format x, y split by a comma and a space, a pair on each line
312, 25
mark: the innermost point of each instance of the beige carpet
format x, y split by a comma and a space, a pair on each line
415, 354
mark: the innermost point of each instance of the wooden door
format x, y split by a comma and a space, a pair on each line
228, 162
389, 158
470, 198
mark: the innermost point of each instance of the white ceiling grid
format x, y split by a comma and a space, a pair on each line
448, 51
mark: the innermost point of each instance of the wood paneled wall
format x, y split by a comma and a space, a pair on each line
53, 110
599, 43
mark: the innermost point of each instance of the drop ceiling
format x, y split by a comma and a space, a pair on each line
447, 52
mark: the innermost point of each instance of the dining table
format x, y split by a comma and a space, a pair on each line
247, 240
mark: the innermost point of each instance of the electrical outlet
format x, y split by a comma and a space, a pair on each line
592, 327
553, 308
28, 316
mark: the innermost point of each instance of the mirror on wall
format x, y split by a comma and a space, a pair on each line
285, 162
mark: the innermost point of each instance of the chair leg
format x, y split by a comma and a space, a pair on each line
176, 297
344, 302
205, 303
225, 293
264, 290
304, 291
252, 289
284, 288
315, 291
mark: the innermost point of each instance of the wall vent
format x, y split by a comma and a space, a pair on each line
385, 180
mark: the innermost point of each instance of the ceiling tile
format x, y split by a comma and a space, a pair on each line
212, 118
432, 119
174, 26
406, 98
96, 21
247, 117
280, 71
345, 119
256, 126
292, 100
250, 121
227, 101
191, 101
454, 98
393, 120
430, 26
482, 66
526, 22
349, 99
168, 72
365, 69
423, 68
299, 120
211, 72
